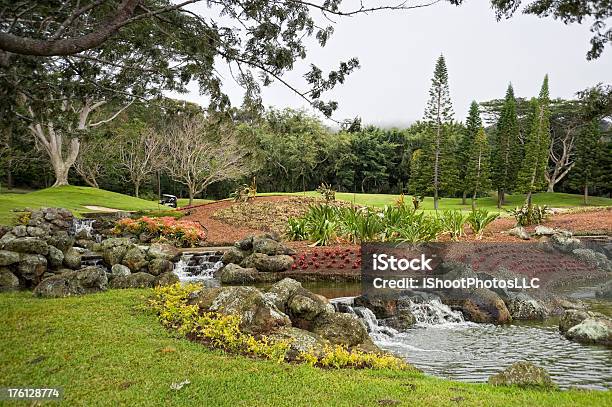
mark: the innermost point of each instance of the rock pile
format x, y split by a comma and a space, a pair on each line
586, 327
253, 259
287, 311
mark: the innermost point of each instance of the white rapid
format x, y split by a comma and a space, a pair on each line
194, 267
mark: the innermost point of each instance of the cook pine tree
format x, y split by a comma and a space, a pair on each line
506, 149
438, 115
478, 175
586, 170
473, 124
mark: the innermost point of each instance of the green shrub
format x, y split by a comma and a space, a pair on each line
414, 227
296, 229
359, 225
479, 219
452, 223
327, 192
528, 215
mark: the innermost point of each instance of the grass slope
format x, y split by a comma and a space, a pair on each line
104, 350
70, 197
552, 199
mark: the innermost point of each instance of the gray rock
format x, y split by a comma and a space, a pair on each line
72, 258
7, 237
594, 259
282, 291
564, 243
167, 278
300, 341
135, 258
36, 231
523, 374
543, 231
20, 231
258, 315
7, 258
32, 245
485, 306
572, 317
268, 264
341, 329
32, 267
8, 280
55, 257
75, 282
519, 232
134, 280
306, 306
234, 255
265, 245
61, 239
119, 270
592, 330
163, 251
524, 307
245, 244
159, 266
234, 274
113, 250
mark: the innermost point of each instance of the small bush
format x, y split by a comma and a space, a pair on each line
528, 215
327, 192
452, 223
296, 229
479, 219
338, 357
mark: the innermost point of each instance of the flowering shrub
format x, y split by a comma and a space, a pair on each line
181, 232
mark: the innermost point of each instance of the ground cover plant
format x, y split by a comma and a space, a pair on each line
84, 351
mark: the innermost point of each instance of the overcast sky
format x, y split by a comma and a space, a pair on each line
397, 51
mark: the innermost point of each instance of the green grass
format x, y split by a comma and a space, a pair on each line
104, 350
70, 197
552, 199
185, 201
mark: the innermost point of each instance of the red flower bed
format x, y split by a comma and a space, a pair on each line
332, 258
183, 233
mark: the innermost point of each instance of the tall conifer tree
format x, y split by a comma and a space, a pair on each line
438, 114
506, 151
473, 124
587, 169
478, 176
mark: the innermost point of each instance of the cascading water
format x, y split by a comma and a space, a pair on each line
433, 312
193, 267
85, 227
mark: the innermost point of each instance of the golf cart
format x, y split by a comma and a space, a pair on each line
168, 200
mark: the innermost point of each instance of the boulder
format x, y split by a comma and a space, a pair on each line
524, 307
234, 274
135, 258
282, 291
62, 240
75, 282
163, 251
571, 318
55, 257
8, 280
266, 245
564, 243
35, 231
134, 280
28, 244
593, 258
543, 231
519, 232
159, 266
7, 258
245, 244
523, 374
72, 258
32, 267
258, 315
234, 255
268, 264
304, 307
119, 270
7, 237
167, 278
20, 231
300, 341
113, 250
592, 330
485, 306
341, 329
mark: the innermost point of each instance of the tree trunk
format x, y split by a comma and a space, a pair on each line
463, 197
52, 143
500, 198
190, 196
136, 188
586, 194
474, 201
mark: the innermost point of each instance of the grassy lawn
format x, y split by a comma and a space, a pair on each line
105, 350
552, 199
185, 201
70, 197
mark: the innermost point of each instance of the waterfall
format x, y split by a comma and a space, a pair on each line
433, 312
85, 225
197, 266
